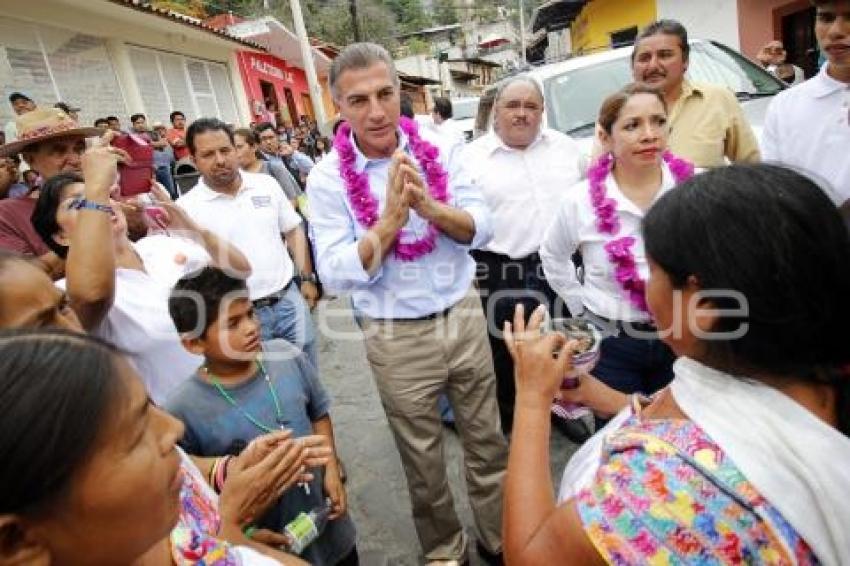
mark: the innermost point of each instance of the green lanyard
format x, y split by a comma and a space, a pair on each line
278, 413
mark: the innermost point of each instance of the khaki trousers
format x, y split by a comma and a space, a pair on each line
413, 362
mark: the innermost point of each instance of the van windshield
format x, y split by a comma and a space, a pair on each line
574, 97
463, 109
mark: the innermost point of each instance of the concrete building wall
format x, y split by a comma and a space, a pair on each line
420, 66
122, 27
761, 21
707, 19
598, 19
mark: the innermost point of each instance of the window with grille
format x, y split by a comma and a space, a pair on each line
51, 64
172, 82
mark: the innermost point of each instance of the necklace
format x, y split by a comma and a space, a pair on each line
619, 250
365, 205
281, 422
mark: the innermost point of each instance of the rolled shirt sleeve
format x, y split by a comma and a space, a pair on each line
467, 196
287, 217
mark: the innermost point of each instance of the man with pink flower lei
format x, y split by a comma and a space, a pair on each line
601, 217
393, 218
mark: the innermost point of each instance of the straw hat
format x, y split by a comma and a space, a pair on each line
43, 124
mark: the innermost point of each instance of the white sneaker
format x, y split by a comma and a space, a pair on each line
444, 563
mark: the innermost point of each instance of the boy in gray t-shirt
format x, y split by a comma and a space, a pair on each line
247, 388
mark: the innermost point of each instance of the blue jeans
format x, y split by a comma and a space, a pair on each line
163, 177
447, 415
289, 319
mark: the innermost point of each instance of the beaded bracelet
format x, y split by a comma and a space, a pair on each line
211, 476
89, 205
220, 473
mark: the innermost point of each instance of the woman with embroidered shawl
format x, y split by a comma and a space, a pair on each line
743, 457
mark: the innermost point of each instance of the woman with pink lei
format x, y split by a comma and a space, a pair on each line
600, 217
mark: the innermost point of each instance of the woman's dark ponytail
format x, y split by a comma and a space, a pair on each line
772, 236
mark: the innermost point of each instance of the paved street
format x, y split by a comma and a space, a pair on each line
376, 485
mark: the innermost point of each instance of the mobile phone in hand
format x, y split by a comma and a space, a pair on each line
137, 173
155, 216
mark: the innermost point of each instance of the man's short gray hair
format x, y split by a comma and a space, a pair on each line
527, 79
360, 56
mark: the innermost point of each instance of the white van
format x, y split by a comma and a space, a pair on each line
463, 114
574, 89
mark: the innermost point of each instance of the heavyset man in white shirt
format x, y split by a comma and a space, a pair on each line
808, 126
523, 171
250, 211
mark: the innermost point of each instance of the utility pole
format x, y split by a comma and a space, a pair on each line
309, 66
355, 23
522, 32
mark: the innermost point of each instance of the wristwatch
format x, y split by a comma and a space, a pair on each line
308, 277
89, 205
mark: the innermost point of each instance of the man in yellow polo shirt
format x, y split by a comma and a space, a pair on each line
707, 125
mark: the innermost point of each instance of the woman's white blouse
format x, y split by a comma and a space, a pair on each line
574, 228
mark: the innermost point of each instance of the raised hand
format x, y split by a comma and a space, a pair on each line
541, 360
253, 486
100, 169
415, 190
396, 208
176, 218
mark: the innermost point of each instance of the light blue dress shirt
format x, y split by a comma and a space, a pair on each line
398, 289
302, 162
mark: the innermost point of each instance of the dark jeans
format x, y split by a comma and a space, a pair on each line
504, 283
351, 559
633, 365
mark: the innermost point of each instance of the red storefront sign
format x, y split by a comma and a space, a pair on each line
274, 89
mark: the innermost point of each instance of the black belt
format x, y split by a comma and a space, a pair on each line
480, 255
621, 324
432, 316
272, 299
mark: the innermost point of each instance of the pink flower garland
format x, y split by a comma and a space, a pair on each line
365, 205
608, 222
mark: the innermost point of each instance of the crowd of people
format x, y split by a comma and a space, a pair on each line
297, 148
170, 337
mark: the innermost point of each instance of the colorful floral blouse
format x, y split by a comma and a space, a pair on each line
665, 493
192, 540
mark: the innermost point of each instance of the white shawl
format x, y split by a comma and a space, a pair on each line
797, 462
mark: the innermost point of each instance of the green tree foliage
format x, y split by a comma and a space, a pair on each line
416, 46
380, 20
445, 12
409, 14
